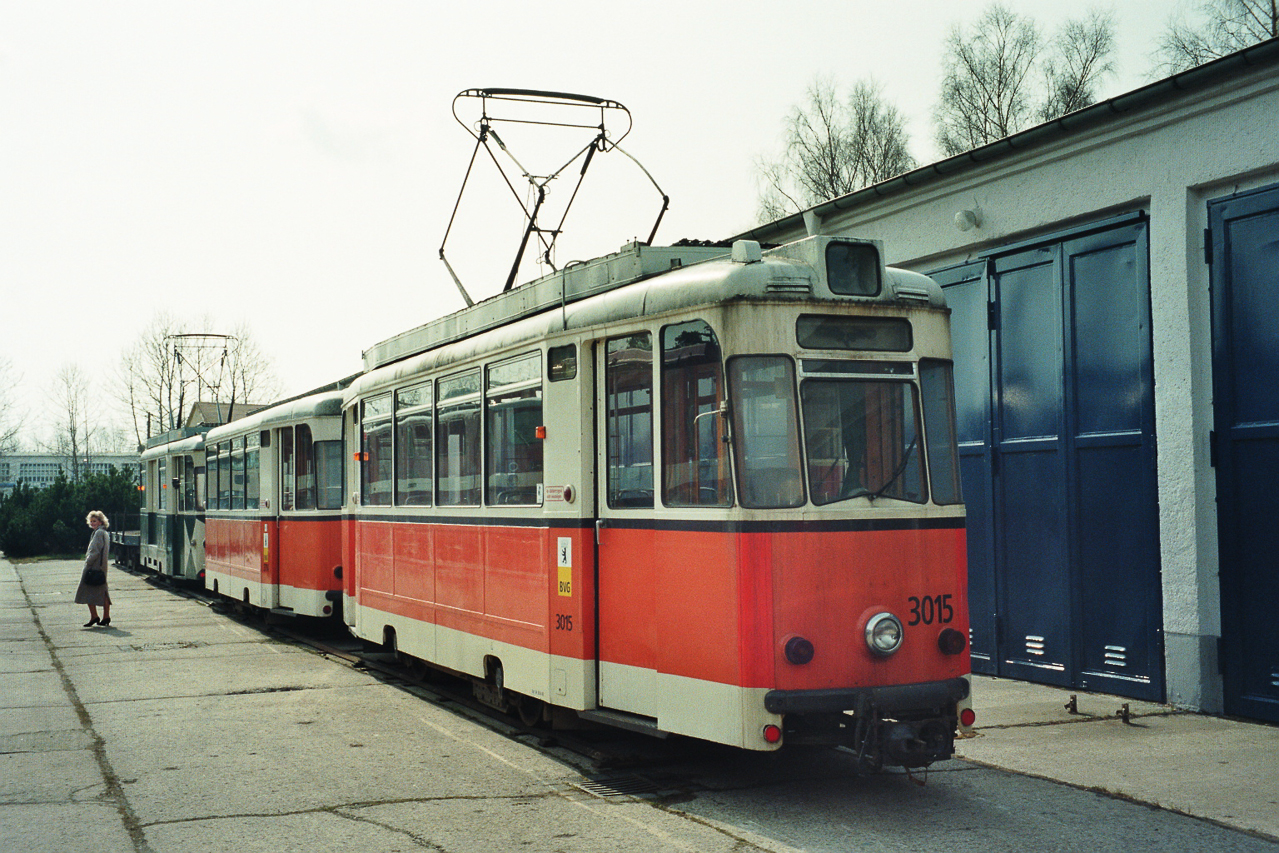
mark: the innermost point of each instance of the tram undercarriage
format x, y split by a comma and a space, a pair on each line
909, 725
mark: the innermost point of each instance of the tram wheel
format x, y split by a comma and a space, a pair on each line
531, 710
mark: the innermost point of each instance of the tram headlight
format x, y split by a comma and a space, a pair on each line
884, 634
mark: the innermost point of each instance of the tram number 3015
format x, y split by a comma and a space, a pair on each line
563, 622
930, 609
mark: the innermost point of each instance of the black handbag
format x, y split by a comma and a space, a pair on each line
94, 577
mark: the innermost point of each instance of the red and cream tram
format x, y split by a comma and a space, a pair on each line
674, 489
274, 519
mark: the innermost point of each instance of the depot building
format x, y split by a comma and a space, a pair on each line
1113, 278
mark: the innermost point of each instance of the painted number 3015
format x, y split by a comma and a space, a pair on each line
930, 609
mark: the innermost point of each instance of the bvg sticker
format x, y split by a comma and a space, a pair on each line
565, 551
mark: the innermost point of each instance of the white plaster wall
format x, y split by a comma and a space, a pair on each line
1168, 161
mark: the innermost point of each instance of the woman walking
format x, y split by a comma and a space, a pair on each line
95, 562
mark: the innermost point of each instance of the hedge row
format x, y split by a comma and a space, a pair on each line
51, 520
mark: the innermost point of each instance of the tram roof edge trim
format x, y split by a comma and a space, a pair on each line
633, 262
324, 404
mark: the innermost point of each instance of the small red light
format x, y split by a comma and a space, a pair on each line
772, 734
967, 717
540, 432
951, 642
799, 651
327, 610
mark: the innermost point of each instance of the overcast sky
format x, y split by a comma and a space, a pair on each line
294, 164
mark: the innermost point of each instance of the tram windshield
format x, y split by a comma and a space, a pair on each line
862, 438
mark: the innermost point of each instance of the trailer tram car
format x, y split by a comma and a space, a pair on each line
680, 491
173, 512
274, 530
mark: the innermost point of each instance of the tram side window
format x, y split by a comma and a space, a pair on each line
199, 479
937, 384
286, 468
457, 447
414, 450
766, 431
179, 484
224, 478
561, 363
189, 490
628, 405
149, 495
163, 491
328, 473
375, 456
305, 468
514, 406
695, 469
252, 471
211, 477
237, 473
862, 438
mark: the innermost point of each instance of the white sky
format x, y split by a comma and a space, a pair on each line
294, 164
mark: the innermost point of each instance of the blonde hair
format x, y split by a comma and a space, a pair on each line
99, 515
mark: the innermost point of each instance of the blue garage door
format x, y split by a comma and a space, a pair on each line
1056, 414
1244, 233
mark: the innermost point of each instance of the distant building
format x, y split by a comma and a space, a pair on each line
41, 469
204, 414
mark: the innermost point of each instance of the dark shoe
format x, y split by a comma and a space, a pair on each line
106, 622
92, 622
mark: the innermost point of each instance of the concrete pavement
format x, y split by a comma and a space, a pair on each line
157, 734
1222, 770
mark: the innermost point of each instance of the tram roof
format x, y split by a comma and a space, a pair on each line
633, 262
784, 273
326, 404
184, 440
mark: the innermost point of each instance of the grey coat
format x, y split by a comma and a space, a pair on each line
95, 556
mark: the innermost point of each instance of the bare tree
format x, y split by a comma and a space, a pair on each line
989, 86
833, 146
1224, 26
173, 365
147, 383
249, 375
75, 423
10, 420
1079, 58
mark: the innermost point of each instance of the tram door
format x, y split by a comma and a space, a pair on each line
258, 483
625, 497
1244, 232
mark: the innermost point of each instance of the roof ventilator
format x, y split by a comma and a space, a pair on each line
914, 294
747, 252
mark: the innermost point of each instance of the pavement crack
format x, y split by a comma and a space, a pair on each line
114, 793
424, 843
1081, 718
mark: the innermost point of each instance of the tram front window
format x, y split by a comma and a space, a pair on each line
766, 426
862, 438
